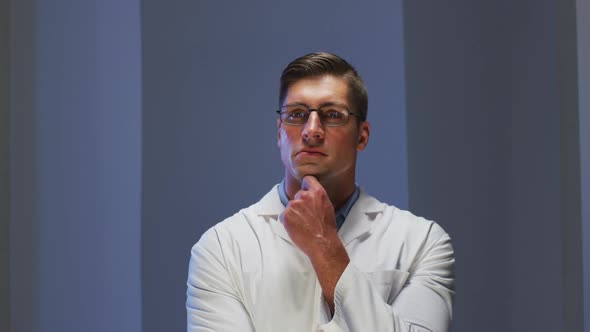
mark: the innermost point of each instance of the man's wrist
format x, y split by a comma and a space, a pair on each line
333, 256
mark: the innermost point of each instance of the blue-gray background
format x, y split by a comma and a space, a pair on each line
130, 127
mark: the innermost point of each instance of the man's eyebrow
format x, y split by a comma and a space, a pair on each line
332, 104
297, 104
324, 104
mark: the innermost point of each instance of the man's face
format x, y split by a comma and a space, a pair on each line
328, 153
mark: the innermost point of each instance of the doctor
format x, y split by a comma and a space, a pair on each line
317, 253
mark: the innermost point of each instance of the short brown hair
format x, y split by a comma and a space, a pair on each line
323, 63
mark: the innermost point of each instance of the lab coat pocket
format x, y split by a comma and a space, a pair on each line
388, 283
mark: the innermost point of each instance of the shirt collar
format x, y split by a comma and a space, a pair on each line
341, 214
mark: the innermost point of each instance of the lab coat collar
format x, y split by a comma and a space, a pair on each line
358, 223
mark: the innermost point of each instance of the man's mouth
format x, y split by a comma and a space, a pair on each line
310, 152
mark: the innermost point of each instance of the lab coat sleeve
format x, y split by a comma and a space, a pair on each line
213, 301
424, 304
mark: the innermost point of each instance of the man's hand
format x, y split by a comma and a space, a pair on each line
311, 223
309, 218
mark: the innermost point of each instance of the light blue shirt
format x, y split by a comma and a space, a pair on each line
340, 214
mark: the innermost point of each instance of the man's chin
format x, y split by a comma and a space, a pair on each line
301, 173
317, 176
320, 176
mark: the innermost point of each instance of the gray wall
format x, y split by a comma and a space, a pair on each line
22, 161
210, 77
583, 38
75, 143
457, 81
136, 125
493, 154
4, 169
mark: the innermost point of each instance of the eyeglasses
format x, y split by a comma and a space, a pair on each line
330, 115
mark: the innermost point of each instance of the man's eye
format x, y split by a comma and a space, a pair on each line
297, 114
332, 114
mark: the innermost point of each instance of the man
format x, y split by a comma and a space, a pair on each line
317, 253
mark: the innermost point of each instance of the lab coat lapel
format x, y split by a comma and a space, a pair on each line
359, 221
270, 208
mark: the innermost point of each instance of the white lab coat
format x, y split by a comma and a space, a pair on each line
246, 275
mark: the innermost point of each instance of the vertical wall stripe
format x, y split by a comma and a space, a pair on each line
24, 232
570, 169
5, 22
583, 62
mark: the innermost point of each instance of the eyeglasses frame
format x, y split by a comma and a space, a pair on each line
317, 110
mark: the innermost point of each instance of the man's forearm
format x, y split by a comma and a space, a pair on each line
329, 265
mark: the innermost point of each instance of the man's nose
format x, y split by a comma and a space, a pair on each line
313, 129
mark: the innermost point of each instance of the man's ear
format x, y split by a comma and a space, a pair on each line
278, 133
363, 137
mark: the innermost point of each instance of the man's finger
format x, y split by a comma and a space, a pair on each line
297, 195
309, 181
282, 217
